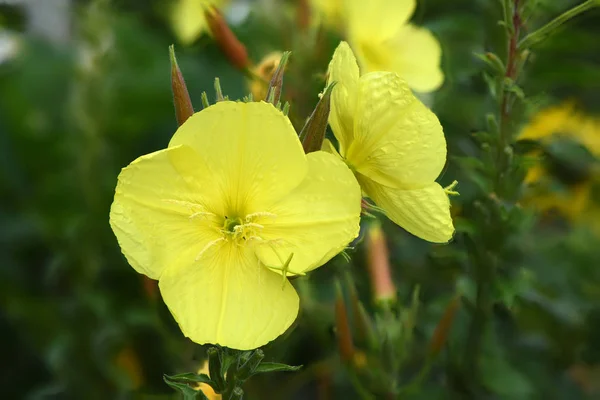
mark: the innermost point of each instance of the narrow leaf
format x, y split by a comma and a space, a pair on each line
275, 367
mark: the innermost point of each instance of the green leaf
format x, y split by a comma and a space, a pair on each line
190, 377
187, 391
275, 367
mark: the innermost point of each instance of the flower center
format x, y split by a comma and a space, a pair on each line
230, 224
242, 229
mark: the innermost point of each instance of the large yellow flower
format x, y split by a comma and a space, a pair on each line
383, 40
222, 214
188, 19
393, 143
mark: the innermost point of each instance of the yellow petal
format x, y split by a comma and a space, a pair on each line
343, 70
417, 58
377, 19
228, 298
152, 213
187, 18
398, 141
317, 220
253, 152
424, 212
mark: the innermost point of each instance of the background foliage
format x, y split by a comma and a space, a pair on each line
77, 322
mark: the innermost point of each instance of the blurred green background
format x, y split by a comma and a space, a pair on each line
85, 89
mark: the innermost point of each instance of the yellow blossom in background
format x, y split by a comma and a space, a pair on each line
563, 121
223, 214
188, 19
263, 73
394, 144
383, 40
328, 12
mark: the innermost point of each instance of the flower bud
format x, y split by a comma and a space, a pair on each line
344, 336
181, 96
230, 45
214, 367
247, 369
276, 84
378, 262
262, 74
313, 133
442, 330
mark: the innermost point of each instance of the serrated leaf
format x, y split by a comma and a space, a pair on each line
275, 367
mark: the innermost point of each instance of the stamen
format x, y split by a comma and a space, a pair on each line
260, 214
204, 214
208, 246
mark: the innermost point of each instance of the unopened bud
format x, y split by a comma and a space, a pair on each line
262, 74
276, 85
382, 285
313, 133
230, 45
247, 369
442, 330
214, 368
181, 96
344, 336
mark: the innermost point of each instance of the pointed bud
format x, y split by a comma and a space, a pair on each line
442, 330
344, 336
378, 262
247, 369
313, 133
276, 85
233, 49
261, 75
181, 97
214, 368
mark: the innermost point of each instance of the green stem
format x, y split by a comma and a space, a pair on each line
362, 392
539, 35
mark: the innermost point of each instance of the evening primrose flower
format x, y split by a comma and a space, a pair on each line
383, 40
550, 127
393, 143
188, 18
225, 213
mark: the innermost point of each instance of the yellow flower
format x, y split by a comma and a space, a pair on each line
548, 125
225, 212
393, 143
329, 12
383, 40
188, 19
